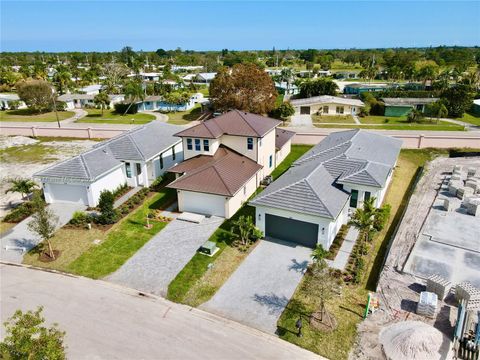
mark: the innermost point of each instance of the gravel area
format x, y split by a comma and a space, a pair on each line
258, 291
156, 264
11, 169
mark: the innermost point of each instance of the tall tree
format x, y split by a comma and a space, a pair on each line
102, 99
458, 99
114, 74
26, 337
246, 87
37, 94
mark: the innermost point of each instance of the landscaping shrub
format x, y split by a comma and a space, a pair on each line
108, 215
120, 190
157, 184
121, 108
80, 218
20, 213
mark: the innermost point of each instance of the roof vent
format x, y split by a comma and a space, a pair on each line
105, 151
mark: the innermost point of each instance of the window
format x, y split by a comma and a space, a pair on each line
367, 195
249, 143
206, 145
354, 198
161, 161
244, 190
128, 170
270, 161
197, 145
189, 144
173, 153
340, 109
325, 109
139, 168
260, 142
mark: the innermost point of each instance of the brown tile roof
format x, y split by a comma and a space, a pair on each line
234, 122
282, 136
224, 173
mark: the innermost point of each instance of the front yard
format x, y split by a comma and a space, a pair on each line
185, 117
79, 254
111, 117
26, 115
347, 119
349, 307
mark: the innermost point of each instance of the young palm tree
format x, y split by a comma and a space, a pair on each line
319, 254
362, 220
22, 186
133, 92
102, 100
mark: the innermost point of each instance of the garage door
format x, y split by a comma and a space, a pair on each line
300, 232
68, 193
200, 203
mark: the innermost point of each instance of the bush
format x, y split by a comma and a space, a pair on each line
121, 108
61, 106
20, 213
120, 190
157, 184
80, 218
108, 215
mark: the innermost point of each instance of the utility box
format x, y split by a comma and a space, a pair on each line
209, 248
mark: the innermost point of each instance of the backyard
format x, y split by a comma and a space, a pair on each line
197, 283
111, 117
348, 308
26, 115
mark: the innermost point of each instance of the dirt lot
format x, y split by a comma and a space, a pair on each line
399, 291
23, 156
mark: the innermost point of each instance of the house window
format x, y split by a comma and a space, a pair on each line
128, 170
197, 144
270, 161
160, 158
138, 168
340, 109
173, 153
189, 144
260, 142
249, 143
206, 145
367, 195
325, 109
354, 199
244, 190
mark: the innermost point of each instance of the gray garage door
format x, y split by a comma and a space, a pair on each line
300, 232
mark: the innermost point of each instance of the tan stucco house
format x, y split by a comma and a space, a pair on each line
326, 105
225, 159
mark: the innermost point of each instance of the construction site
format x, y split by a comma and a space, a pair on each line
428, 293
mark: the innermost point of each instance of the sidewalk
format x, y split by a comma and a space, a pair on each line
126, 196
343, 254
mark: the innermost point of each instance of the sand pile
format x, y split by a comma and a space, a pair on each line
410, 340
9, 141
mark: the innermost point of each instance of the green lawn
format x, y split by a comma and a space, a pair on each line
347, 119
111, 117
349, 307
196, 284
441, 126
26, 115
470, 118
372, 119
123, 240
184, 117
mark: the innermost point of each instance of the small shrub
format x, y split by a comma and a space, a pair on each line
20, 213
157, 184
80, 218
120, 190
108, 215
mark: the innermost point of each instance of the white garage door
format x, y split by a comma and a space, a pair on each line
202, 203
68, 193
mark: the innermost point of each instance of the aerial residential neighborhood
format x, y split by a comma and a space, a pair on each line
240, 180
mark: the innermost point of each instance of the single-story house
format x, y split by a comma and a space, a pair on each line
177, 68
136, 158
476, 107
91, 89
287, 89
326, 105
154, 103
346, 74
204, 78
403, 106
311, 201
226, 158
189, 77
11, 101
357, 88
77, 101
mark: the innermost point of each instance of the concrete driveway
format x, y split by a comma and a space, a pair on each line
259, 290
156, 264
301, 121
106, 321
21, 237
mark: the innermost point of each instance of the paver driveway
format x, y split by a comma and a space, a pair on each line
21, 236
258, 291
157, 263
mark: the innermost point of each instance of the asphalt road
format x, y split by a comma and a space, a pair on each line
105, 321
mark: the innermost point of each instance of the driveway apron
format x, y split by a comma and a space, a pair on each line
260, 289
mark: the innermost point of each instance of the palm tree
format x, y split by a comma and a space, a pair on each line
133, 92
102, 100
319, 254
286, 75
22, 186
362, 219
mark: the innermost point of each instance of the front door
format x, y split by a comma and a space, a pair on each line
305, 110
138, 171
354, 199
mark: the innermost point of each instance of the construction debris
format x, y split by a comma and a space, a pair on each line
438, 285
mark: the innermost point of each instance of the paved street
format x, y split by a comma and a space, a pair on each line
157, 263
105, 321
258, 291
21, 236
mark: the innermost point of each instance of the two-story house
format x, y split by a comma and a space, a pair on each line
225, 158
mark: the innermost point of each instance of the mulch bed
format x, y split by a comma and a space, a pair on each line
329, 322
45, 257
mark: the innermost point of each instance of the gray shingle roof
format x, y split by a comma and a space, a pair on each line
312, 184
139, 144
